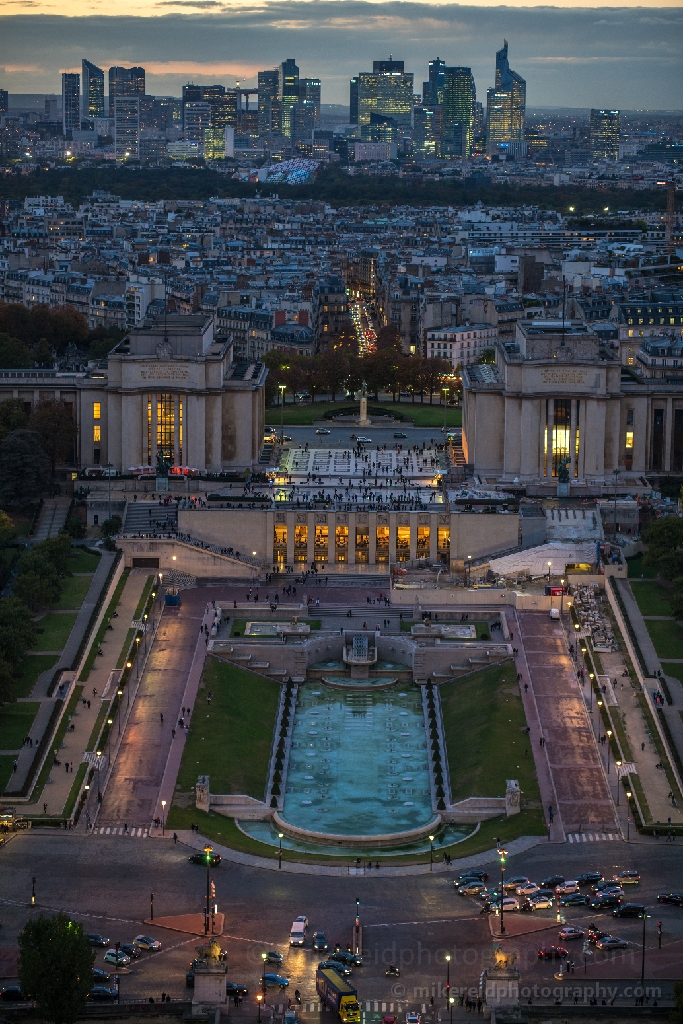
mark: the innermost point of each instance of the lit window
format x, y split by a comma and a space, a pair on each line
630, 360
96, 410
629, 439
97, 432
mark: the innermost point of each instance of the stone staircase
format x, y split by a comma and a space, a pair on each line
52, 518
148, 517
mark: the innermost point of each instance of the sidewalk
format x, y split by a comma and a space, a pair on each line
76, 742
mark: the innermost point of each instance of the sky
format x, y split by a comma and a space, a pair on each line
626, 55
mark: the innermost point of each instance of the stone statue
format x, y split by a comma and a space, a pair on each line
163, 464
563, 471
363, 388
215, 955
513, 797
502, 961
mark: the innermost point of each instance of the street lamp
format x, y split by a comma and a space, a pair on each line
448, 982
642, 962
629, 794
137, 657
502, 854
99, 764
163, 817
469, 570
259, 998
282, 388
129, 665
618, 766
431, 852
549, 564
616, 481
562, 597
609, 737
279, 852
445, 408
119, 694
208, 850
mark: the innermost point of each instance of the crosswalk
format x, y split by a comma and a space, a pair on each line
371, 1006
121, 830
591, 837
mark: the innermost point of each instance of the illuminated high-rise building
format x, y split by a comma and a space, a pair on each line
92, 91
605, 128
269, 102
71, 103
127, 127
289, 93
387, 91
505, 103
427, 130
433, 87
458, 98
309, 93
125, 82
197, 119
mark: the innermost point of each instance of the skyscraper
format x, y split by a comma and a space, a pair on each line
605, 128
353, 100
197, 119
126, 127
505, 103
309, 93
431, 89
387, 90
125, 82
92, 93
269, 102
71, 103
289, 93
458, 98
4, 101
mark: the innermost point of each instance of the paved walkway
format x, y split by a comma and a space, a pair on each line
582, 795
76, 741
52, 518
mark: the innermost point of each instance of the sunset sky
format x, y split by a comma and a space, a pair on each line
623, 55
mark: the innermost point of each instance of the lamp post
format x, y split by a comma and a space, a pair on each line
618, 767
431, 852
448, 982
137, 657
549, 565
208, 850
609, 737
628, 814
562, 597
99, 765
129, 665
279, 852
642, 961
590, 682
502, 854
259, 999
616, 481
163, 817
576, 645
33, 891
282, 388
119, 694
445, 408
469, 570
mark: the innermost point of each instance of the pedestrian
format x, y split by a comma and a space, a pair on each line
173, 734
94, 692
88, 705
526, 687
66, 766
642, 746
44, 808
175, 837
161, 716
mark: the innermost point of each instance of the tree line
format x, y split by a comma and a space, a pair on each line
42, 335
32, 443
664, 538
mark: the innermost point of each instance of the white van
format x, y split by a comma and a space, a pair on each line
297, 934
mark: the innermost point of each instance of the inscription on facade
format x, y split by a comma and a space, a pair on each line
557, 375
164, 371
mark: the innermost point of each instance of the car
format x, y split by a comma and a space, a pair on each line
552, 953
273, 957
541, 902
570, 932
99, 975
610, 942
235, 987
399, 433
590, 877
594, 933
552, 882
412, 1017
604, 902
12, 994
273, 979
361, 438
675, 898
512, 883
200, 858
528, 889
96, 940
189, 979
130, 949
567, 888
344, 957
472, 888
389, 1018
146, 942
509, 903
474, 875
290, 1017
103, 994
320, 942
336, 965
627, 877
629, 910
323, 430
575, 899
608, 887
116, 957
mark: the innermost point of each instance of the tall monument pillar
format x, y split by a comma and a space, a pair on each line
363, 420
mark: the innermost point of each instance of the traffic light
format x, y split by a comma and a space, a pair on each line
213, 890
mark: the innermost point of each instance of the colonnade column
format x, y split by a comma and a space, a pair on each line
572, 440
145, 428
176, 430
550, 422
154, 430
668, 433
581, 426
542, 425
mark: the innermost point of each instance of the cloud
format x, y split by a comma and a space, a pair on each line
189, 3
17, 69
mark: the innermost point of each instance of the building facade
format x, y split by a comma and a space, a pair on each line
71, 104
605, 129
505, 103
92, 92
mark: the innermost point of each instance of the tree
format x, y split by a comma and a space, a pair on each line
434, 372
670, 566
37, 589
7, 530
487, 356
54, 424
12, 416
110, 527
388, 337
55, 966
663, 536
14, 354
335, 371
16, 631
24, 468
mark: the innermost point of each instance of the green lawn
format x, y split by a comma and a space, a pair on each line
15, 723
57, 629
422, 414
84, 561
636, 569
652, 598
31, 667
97, 640
667, 638
143, 598
230, 739
483, 722
670, 669
74, 591
6, 765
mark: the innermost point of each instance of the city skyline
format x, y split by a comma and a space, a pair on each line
568, 57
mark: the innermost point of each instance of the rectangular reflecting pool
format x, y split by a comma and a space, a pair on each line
359, 761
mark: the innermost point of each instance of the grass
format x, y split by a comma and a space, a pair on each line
636, 569
15, 723
230, 740
651, 597
482, 723
670, 669
75, 789
73, 594
55, 744
422, 414
31, 667
121, 661
84, 561
99, 636
57, 629
97, 727
143, 598
667, 638
6, 765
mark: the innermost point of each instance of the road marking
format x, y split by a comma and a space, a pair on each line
570, 838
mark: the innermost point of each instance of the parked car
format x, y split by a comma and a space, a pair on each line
100, 976
552, 882
472, 888
130, 949
200, 858
103, 994
232, 987
552, 953
512, 883
96, 940
471, 876
273, 979
117, 958
610, 942
273, 957
589, 877
629, 910
576, 899
320, 942
509, 903
12, 994
627, 877
146, 942
604, 902
541, 902
675, 898
527, 890
567, 888
570, 932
